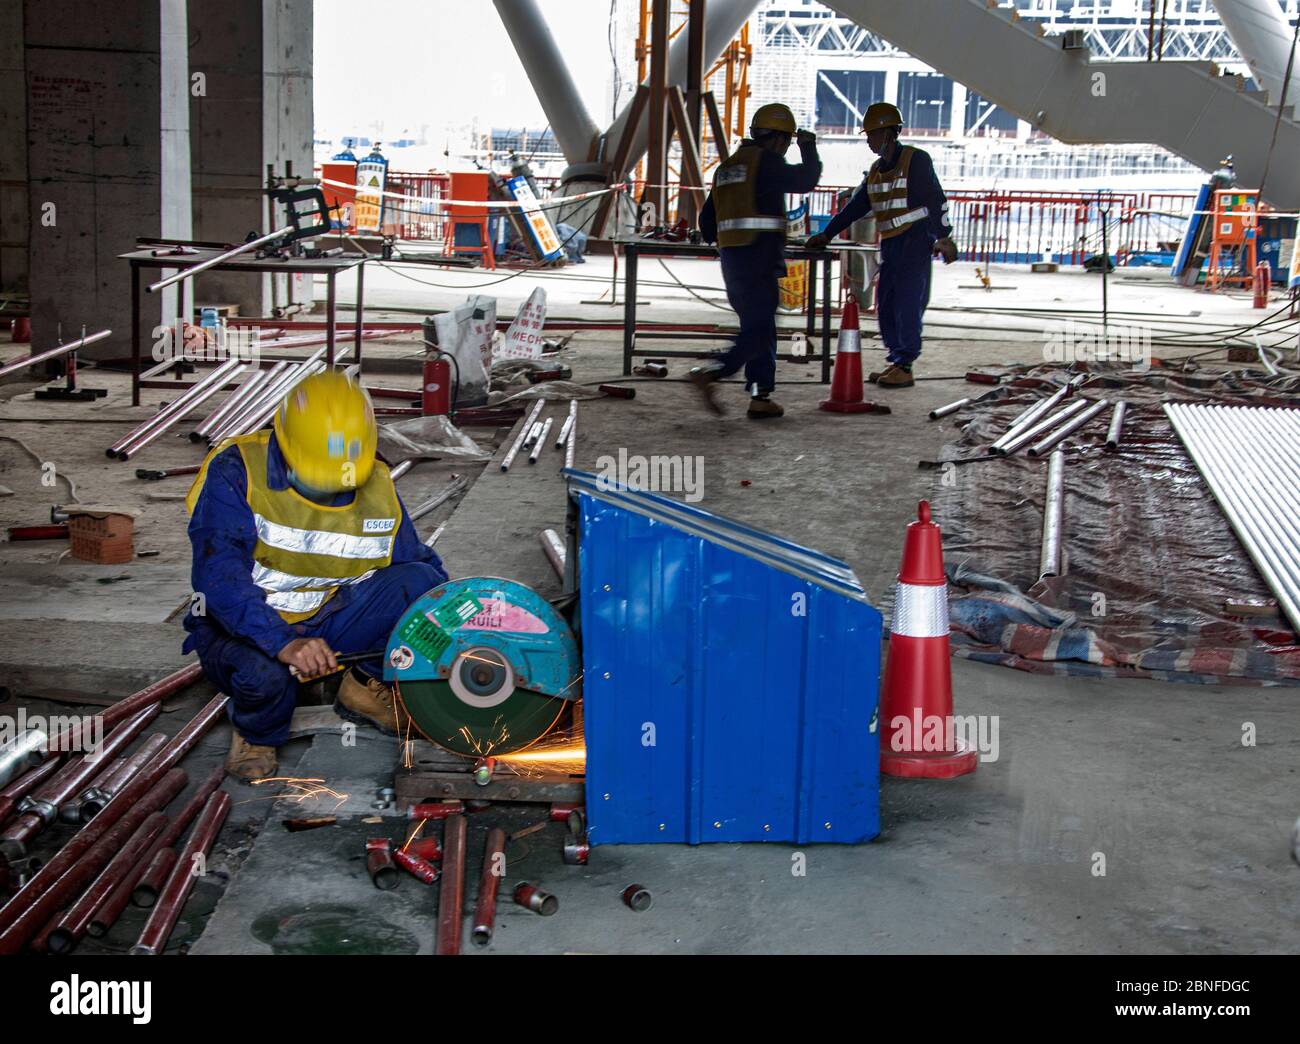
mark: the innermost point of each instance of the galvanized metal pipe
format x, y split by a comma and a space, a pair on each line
554, 548
229, 405
173, 413
53, 353
489, 882
267, 412
458, 484
162, 919
143, 428
451, 895
263, 393
1067, 429
1049, 558
570, 450
523, 434
952, 407
65, 862
1116, 429
111, 908
191, 271
1028, 416
568, 424
1234, 473
541, 440
1026, 434
23, 752
401, 469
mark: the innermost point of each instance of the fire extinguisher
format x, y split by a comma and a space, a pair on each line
435, 393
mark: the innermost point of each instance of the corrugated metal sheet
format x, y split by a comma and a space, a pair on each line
730, 679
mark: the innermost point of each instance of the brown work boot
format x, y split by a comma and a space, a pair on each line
896, 377
706, 379
761, 409
247, 762
875, 375
368, 701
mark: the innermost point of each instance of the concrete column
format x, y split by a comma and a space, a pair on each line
104, 157
13, 150
251, 108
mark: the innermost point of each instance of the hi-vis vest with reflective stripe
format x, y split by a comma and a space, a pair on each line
306, 551
888, 192
735, 200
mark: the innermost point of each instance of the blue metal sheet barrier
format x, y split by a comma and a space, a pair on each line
730, 679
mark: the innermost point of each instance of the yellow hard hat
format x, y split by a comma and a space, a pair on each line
774, 117
880, 115
326, 431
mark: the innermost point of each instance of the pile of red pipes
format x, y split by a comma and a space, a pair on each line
129, 849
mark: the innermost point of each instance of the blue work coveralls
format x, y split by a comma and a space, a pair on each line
751, 272
237, 635
903, 291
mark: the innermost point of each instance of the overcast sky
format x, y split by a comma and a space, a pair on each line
444, 62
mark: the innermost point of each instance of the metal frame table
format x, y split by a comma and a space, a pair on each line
633, 249
330, 267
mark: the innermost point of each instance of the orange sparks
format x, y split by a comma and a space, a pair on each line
302, 789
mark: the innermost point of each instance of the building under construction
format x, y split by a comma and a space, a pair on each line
676, 597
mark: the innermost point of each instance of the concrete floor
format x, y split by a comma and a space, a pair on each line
1193, 827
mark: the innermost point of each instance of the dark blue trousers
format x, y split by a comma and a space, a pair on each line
751, 275
903, 292
359, 617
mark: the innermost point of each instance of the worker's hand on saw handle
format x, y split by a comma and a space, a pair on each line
946, 249
308, 657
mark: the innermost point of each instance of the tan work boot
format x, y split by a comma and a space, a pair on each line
875, 375
896, 377
761, 409
247, 761
705, 378
368, 701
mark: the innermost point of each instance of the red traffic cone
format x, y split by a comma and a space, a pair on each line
846, 382
918, 739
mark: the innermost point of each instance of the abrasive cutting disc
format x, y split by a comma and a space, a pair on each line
483, 665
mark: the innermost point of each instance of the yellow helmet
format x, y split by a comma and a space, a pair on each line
880, 115
326, 431
774, 117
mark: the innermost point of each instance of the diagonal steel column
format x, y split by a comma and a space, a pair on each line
573, 127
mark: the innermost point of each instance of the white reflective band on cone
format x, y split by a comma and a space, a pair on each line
850, 341
920, 610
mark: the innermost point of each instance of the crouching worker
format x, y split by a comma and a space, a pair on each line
303, 553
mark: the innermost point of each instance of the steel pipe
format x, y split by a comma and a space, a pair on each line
571, 447
59, 889
1067, 429
268, 411
111, 908
92, 802
65, 862
229, 405
569, 422
952, 407
553, 546
71, 925
457, 485
401, 469
263, 393
541, 440
25, 751
191, 271
451, 895
156, 872
53, 353
174, 411
1049, 559
162, 919
1029, 432
489, 882
1029, 416
523, 434
1116, 429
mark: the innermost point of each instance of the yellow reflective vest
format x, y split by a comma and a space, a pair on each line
305, 551
735, 200
888, 192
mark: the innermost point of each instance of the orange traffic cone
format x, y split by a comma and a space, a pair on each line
919, 737
846, 382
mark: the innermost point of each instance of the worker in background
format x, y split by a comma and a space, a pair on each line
745, 215
302, 553
911, 211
